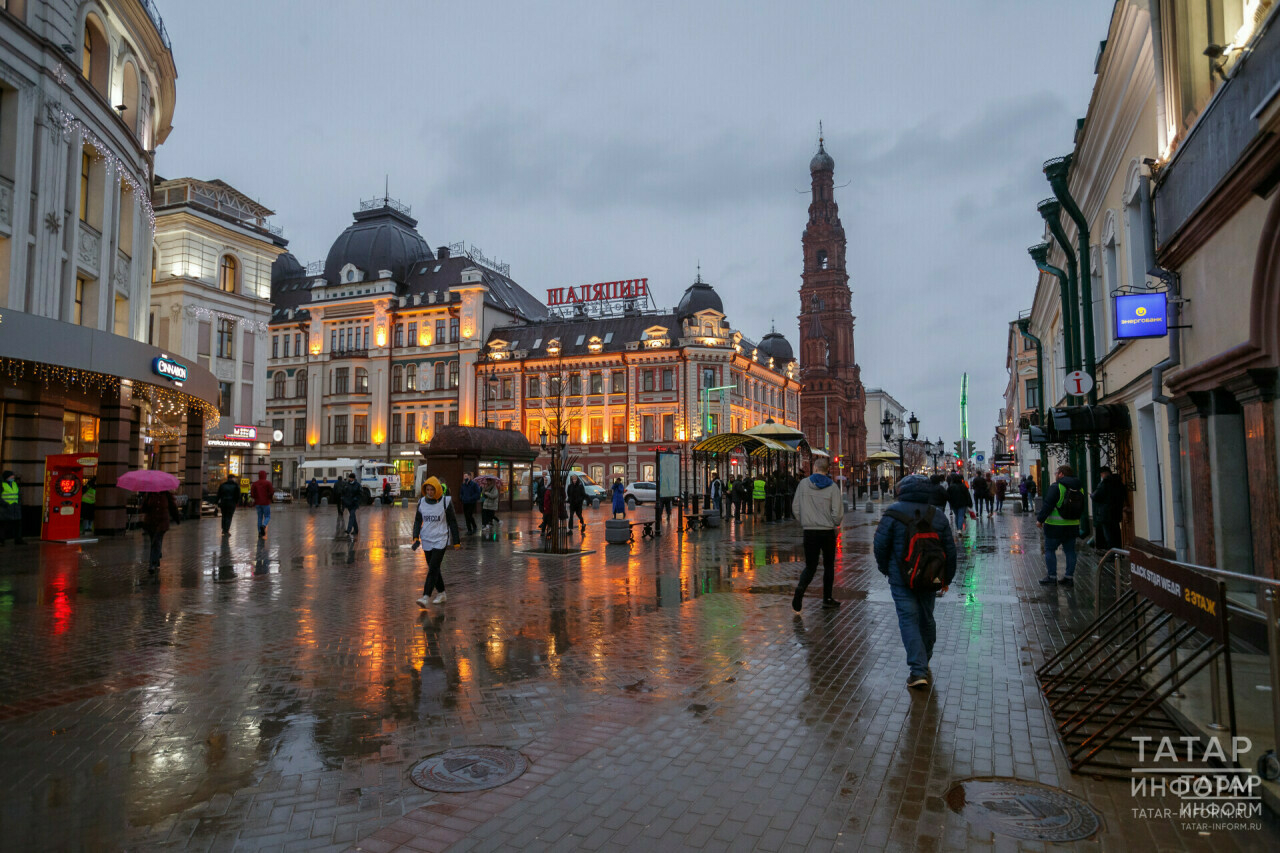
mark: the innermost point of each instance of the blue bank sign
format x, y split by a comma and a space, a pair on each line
1142, 315
169, 369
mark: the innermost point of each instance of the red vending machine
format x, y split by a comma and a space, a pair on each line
63, 490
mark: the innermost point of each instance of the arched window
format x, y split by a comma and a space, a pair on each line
227, 269
439, 375
94, 61
301, 384
362, 381
277, 385
822, 259
453, 374
397, 378
129, 97
411, 378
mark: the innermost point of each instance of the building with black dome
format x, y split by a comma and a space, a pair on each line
375, 348
621, 384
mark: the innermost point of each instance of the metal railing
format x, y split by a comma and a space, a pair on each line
158, 22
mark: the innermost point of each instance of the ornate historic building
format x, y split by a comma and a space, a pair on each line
832, 404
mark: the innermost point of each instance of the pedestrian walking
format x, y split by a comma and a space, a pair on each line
1059, 517
1002, 487
1024, 492
820, 509
757, 495
915, 550
228, 495
884, 486
351, 502
939, 496
619, 499
335, 494
245, 498
770, 495
1032, 490
386, 491
489, 505
1109, 500
961, 503
261, 493
982, 494
545, 504
717, 493
313, 494
470, 495
158, 510
435, 527
577, 494
10, 510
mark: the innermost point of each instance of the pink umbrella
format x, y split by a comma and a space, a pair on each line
486, 479
147, 481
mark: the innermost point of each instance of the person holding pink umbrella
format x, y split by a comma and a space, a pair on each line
157, 507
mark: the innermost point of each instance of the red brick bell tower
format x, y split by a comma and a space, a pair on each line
832, 402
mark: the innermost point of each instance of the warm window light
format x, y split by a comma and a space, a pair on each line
468, 330
424, 339
380, 336
315, 347
378, 437
680, 434
632, 434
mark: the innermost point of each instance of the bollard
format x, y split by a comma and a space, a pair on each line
869, 509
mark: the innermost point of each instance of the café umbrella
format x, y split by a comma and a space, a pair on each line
147, 481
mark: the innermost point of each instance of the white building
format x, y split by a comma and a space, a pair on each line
880, 402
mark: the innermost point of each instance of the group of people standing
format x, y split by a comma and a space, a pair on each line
768, 496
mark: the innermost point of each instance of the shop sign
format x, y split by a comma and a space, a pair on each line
1190, 596
605, 297
1142, 315
169, 369
243, 432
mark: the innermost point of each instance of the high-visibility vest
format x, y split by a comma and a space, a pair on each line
9, 492
757, 491
90, 495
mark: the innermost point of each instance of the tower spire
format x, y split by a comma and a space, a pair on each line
820, 148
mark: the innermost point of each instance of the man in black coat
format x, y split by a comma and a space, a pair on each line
1109, 500
228, 496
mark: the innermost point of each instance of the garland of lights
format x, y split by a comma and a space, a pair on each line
68, 123
164, 401
255, 325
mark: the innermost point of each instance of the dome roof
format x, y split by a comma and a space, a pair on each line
699, 297
822, 161
286, 268
384, 238
775, 346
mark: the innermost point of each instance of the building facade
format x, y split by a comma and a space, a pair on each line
879, 404
1021, 408
833, 402
375, 349
211, 304
86, 95
621, 386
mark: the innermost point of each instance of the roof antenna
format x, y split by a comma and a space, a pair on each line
698, 280
819, 134
386, 186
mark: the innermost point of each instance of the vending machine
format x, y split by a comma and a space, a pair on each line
63, 492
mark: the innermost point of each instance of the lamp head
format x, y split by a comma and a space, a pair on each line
914, 423
542, 438
563, 438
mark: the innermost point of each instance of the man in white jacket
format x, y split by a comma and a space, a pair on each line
819, 508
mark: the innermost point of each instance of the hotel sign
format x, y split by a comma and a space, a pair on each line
605, 297
169, 369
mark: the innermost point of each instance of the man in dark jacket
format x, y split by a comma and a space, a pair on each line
915, 609
351, 502
1108, 501
313, 493
470, 495
228, 497
577, 494
1061, 526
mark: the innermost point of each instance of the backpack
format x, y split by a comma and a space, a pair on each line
925, 561
1071, 504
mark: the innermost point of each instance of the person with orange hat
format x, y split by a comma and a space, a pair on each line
434, 527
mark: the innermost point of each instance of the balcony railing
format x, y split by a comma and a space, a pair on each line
154, 14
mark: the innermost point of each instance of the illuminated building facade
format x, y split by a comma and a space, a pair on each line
621, 385
375, 348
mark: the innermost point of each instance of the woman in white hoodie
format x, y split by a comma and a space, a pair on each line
434, 527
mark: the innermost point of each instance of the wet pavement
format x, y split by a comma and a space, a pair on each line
277, 695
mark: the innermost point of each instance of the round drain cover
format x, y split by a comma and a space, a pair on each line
1024, 810
468, 768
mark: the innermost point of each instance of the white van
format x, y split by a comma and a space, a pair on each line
369, 475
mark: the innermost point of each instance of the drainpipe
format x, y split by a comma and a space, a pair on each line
1056, 171
1157, 61
1040, 254
1049, 211
1174, 282
1024, 326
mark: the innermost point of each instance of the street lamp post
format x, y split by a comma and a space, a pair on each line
936, 452
887, 425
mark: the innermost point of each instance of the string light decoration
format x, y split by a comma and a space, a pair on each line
254, 325
68, 123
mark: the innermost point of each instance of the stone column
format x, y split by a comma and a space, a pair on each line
1255, 392
115, 439
1193, 411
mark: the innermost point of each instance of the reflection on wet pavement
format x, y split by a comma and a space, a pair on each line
278, 692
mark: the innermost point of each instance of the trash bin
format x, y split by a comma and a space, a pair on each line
617, 531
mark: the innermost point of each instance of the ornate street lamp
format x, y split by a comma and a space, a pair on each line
542, 438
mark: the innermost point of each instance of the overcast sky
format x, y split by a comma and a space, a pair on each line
585, 142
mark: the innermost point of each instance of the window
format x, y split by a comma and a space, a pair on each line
227, 274
340, 380
1033, 394
618, 470
299, 431
277, 385
275, 345
535, 387
553, 386
619, 432
507, 389
647, 376
77, 313
360, 429
225, 329
300, 384
708, 377
411, 377
362, 381
646, 427
224, 398
297, 344
410, 426
597, 474
399, 335
453, 375
453, 417
397, 378
84, 185
597, 430
439, 375
822, 259
575, 384
339, 429
453, 329
668, 427
413, 334
440, 339
438, 420
668, 379
333, 340
597, 382
618, 382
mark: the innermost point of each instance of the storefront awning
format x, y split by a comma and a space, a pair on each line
753, 445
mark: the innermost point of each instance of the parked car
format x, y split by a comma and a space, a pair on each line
280, 496
640, 493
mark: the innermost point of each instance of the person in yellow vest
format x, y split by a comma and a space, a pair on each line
757, 494
244, 491
88, 503
10, 510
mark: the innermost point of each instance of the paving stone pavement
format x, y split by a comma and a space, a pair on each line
275, 695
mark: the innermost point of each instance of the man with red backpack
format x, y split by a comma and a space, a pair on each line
914, 549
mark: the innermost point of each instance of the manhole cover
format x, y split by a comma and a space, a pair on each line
1023, 810
468, 768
